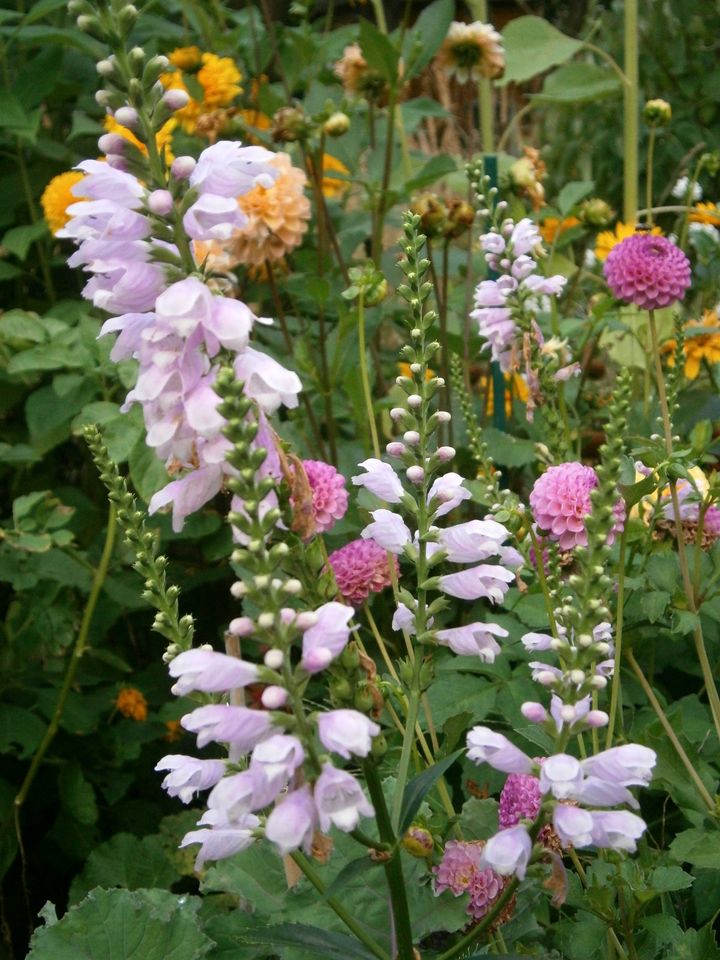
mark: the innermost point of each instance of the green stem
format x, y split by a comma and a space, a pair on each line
393, 866
671, 735
707, 671
687, 206
615, 692
335, 905
649, 176
364, 376
542, 580
78, 650
474, 934
630, 113
381, 204
479, 10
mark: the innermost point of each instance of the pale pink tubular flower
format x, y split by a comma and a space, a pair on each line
617, 829
487, 746
327, 638
473, 640
573, 825
339, 800
210, 672
380, 479
388, 530
486, 581
240, 726
448, 492
347, 732
221, 842
508, 852
189, 775
293, 821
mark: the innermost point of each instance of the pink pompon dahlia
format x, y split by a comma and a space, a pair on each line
329, 496
361, 567
460, 872
646, 270
560, 501
520, 799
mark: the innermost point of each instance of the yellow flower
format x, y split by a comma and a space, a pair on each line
515, 388
57, 197
185, 58
553, 227
277, 218
163, 138
471, 51
131, 703
706, 213
405, 371
174, 731
608, 239
698, 347
220, 79
332, 186
253, 118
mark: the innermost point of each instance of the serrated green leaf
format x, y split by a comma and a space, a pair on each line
700, 848
18, 240
77, 795
423, 40
124, 861
666, 879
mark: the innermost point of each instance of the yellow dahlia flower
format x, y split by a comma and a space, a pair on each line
608, 239
218, 78
332, 186
185, 58
471, 51
163, 138
56, 198
698, 347
706, 213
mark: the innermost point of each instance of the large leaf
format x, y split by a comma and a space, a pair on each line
124, 861
379, 51
532, 45
701, 848
419, 786
307, 941
579, 83
124, 925
428, 32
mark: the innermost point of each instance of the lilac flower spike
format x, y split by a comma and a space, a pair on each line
449, 491
218, 843
488, 581
293, 821
388, 530
473, 640
189, 775
241, 726
277, 759
327, 638
339, 800
628, 765
573, 825
473, 541
486, 746
347, 732
210, 672
508, 852
380, 479
562, 776
238, 794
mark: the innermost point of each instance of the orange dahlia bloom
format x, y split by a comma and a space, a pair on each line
701, 346
553, 227
131, 703
56, 198
218, 78
706, 213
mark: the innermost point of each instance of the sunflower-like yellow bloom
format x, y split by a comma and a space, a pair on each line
57, 197
706, 213
698, 347
553, 227
332, 186
608, 239
218, 78
471, 51
515, 389
163, 138
131, 703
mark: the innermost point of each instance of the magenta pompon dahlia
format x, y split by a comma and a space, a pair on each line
520, 799
647, 270
560, 501
361, 568
460, 872
329, 496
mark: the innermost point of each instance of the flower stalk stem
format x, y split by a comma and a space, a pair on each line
707, 671
630, 112
615, 712
474, 934
365, 377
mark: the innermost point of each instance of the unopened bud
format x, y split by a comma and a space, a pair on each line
336, 124
176, 99
415, 474
306, 619
238, 589
241, 627
534, 712
395, 449
160, 202
412, 437
274, 658
657, 113
418, 842
273, 698
127, 117
112, 143
182, 167
446, 453
266, 620
597, 718
414, 401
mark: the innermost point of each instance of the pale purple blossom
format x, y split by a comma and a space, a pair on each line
508, 852
388, 530
277, 758
486, 581
210, 672
617, 829
293, 822
340, 800
562, 776
189, 775
473, 541
213, 218
473, 640
267, 381
228, 169
221, 842
449, 492
327, 638
380, 479
573, 825
487, 746
347, 732
628, 765
242, 727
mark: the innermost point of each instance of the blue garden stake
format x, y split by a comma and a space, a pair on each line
498, 378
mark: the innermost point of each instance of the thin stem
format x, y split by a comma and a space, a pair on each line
393, 866
611, 61
615, 692
479, 10
406, 752
474, 934
688, 200
335, 905
78, 650
364, 376
515, 119
707, 671
381, 643
649, 176
542, 580
672, 736
630, 112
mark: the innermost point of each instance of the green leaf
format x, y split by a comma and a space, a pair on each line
532, 45
379, 51
507, 450
41, 8
667, 879
436, 167
634, 492
125, 925
77, 795
19, 240
654, 604
578, 83
479, 818
22, 325
700, 848
147, 473
419, 786
7, 270
307, 941
125, 861
428, 32
663, 571
19, 728
14, 119
572, 193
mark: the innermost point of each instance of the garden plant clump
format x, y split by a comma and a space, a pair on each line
402, 416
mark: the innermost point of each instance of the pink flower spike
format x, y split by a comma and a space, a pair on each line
242, 727
487, 581
219, 843
473, 640
573, 825
189, 775
340, 800
293, 822
388, 530
327, 637
380, 479
347, 732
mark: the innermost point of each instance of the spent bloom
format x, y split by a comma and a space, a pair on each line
650, 272
560, 501
520, 799
361, 567
471, 51
460, 871
131, 703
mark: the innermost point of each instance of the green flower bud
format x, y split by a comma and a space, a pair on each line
418, 842
657, 113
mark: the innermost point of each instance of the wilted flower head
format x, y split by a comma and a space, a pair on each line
361, 567
560, 501
520, 799
460, 871
356, 76
650, 272
471, 51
